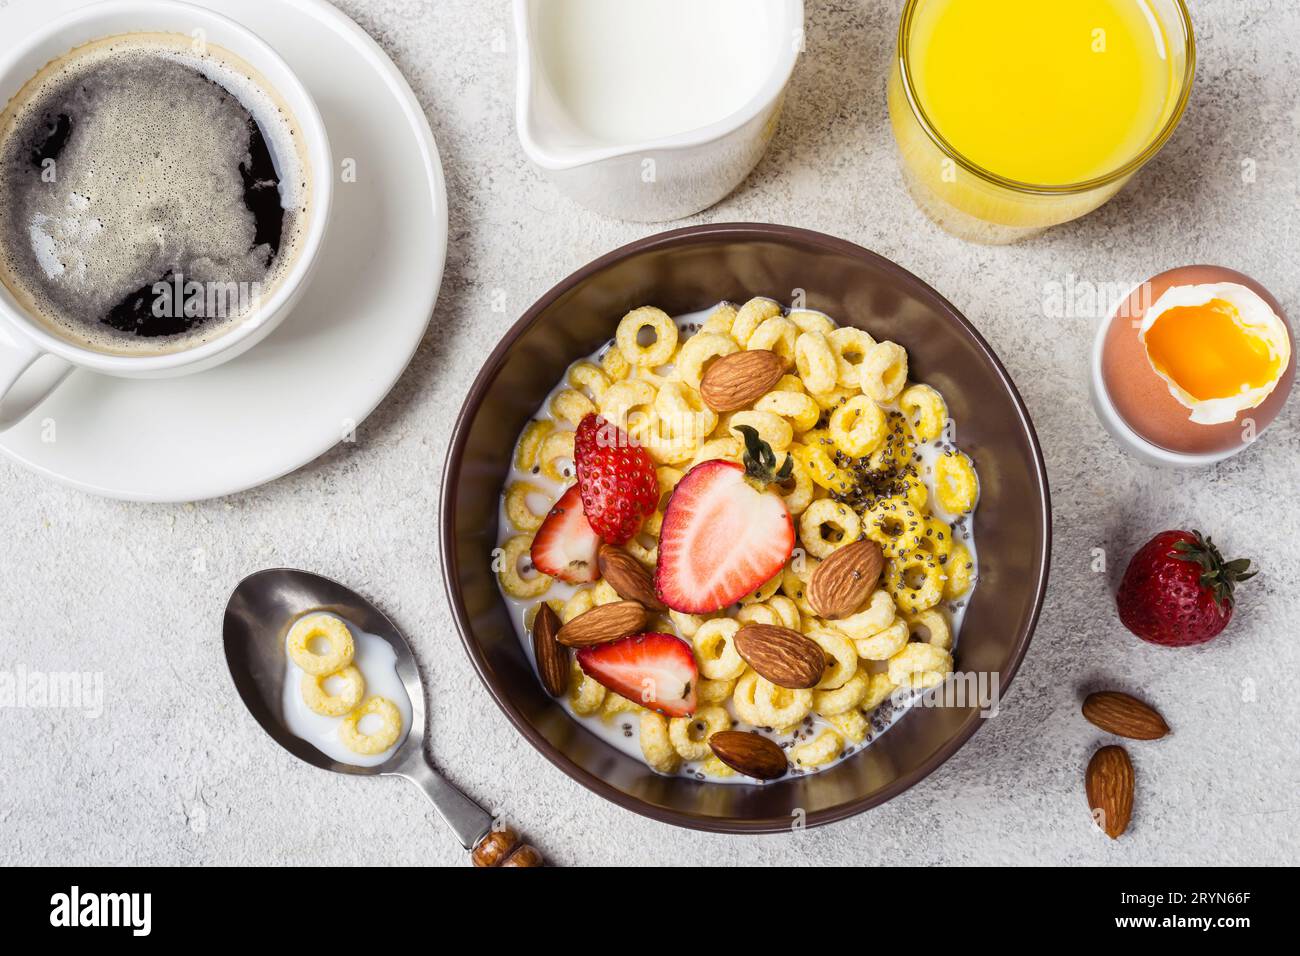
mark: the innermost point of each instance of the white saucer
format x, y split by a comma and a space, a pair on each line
297, 394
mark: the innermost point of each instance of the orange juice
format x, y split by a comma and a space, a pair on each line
1045, 101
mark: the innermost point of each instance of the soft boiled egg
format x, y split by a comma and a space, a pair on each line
1198, 360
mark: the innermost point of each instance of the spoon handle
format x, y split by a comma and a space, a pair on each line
473, 825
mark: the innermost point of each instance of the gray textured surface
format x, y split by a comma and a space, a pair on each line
174, 771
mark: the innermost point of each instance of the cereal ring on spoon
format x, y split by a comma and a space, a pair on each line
329, 628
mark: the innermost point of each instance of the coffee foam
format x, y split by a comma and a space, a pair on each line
148, 183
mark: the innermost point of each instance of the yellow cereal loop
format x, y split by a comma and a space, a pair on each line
686, 624
959, 570
898, 447
857, 427
786, 610
895, 525
720, 320
585, 695
530, 443
697, 352
390, 727
794, 581
919, 666
765, 590
589, 379
927, 410
623, 398
773, 429
847, 696
751, 315
518, 510
715, 649
602, 592
661, 348
320, 627
827, 524
777, 334
780, 707
759, 614
840, 653
580, 602
714, 691
690, 735
816, 362
615, 704
743, 699
883, 373
829, 401
915, 581
614, 365
570, 405
801, 494
327, 704
555, 457
789, 383
821, 468
937, 537
656, 745
513, 553
795, 407
850, 724
872, 619
884, 644
915, 492
932, 627
821, 750
955, 486
644, 547
806, 320
850, 346
713, 767
728, 449
879, 687
683, 413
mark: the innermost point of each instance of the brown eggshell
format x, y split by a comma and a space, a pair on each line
1142, 398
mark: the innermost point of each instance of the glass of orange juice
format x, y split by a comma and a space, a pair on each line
1015, 115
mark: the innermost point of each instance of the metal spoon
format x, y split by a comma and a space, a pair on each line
259, 614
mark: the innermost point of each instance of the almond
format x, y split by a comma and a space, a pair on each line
844, 580
552, 658
738, 380
1124, 716
628, 577
785, 657
1109, 784
603, 624
748, 753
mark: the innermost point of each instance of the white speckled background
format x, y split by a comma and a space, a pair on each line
175, 771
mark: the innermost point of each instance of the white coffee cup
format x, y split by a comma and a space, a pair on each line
25, 381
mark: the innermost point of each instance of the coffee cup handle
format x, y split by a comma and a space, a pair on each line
19, 391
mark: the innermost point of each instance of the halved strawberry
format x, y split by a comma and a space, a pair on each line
617, 478
565, 546
724, 533
654, 670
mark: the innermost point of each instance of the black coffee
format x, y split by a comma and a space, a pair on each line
152, 194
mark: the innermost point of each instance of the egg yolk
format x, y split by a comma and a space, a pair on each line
1208, 352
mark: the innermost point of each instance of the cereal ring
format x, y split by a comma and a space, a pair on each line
937, 539
959, 569
715, 649
622, 399
713, 691
790, 383
845, 697
758, 614
514, 552
579, 603
743, 699
822, 470
915, 581
777, 335
874, 618
728, 449
530, 443
849, 724
816, 362
915, 492
644, 547
682, 412
377, 742
931, 627
826, 525
883, 373
879, 687
518, 510
751, 315
687, 624
713, 767
884, 644
329, 628
956, 486
697, 352
555, 457
894, 525
808, 321
822, 749
660, 350
765, 590
773, 429
840, 653
585, 695
780, 707
851, 347
899, 445
799, 497
570, 405
321, 701
589, 379
829, 401
656, 745
615, 704
795, 407
614, 365
919, 666
857, 427
794, 581
786, 610
690, 735
602, 592
926, 409
720, 320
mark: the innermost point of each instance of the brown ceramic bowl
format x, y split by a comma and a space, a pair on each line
683, 271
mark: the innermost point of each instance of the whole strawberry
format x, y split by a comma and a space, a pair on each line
1177, 590
616, 479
